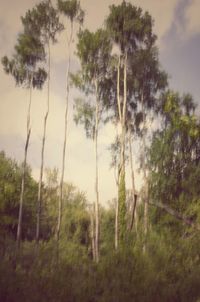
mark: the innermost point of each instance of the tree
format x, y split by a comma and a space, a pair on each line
174, 162
10, 183
72, 10
93, 50
137, 70
131, 32
28, 51
43, 22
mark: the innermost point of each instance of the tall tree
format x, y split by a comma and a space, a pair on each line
71, 9
28, 51
93, 50
43, 21
130, 31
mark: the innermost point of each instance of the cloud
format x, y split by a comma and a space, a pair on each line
192, 18
162, 13
96, 12
80, 160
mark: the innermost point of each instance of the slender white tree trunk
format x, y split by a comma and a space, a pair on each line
116, 223
122, 119
28, 133
96, 175
146, 207
134, 197
39, 201
122, 115
60, 202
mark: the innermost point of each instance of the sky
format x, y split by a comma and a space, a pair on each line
177, 25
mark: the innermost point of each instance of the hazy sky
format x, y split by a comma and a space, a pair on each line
177, 25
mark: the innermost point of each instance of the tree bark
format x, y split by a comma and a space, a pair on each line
134, 196
60, 203
122, 118
116, 223
19, 226
96, 174
146, 208
39, 201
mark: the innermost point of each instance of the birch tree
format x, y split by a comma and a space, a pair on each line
23, 67
43, 22
71, 9
131, 32
93, 50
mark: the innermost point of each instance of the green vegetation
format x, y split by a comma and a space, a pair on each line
144, 246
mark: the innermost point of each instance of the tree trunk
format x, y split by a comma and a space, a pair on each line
122, 184
96, 175
19, 226
146, 207
122, 119
60, 203
39, 201
116, 223
134, 196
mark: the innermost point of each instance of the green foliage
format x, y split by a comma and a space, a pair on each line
129, 27
93, 50
28, 52
84, 114
42, 22
107, 230
167, 273
174, 158
71, 9
29, 49
76, 220
10, 183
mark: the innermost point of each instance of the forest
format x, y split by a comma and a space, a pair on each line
144, 245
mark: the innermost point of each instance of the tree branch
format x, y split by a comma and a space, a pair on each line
177, 215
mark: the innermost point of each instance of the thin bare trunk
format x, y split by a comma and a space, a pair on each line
122, 118
60, 203
117, 178
39, 201
118, 91
116, 223
19, 226
96, 175
146, 207
125, 91
134, 196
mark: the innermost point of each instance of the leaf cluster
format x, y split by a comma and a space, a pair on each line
71, 9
